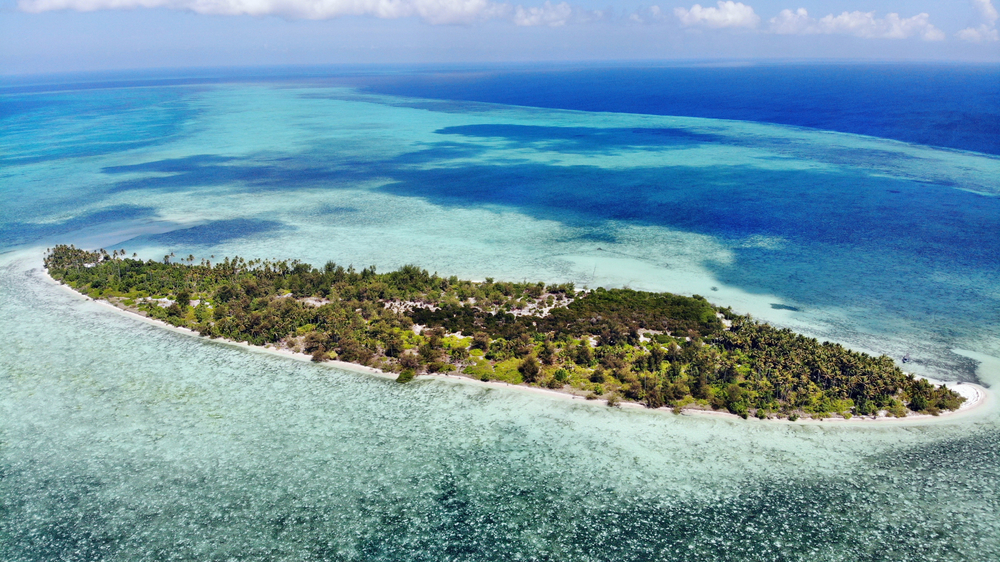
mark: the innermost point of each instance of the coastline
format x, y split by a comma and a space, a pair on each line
976, 395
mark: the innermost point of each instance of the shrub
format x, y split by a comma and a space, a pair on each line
314, 341
481, 340
428, 353
528, 369
438, 367
406, 375
409, 361
394, 345
897, 409
507, 371
548, 354
482, 370
201, 312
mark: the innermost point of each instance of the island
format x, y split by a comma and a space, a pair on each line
654, 349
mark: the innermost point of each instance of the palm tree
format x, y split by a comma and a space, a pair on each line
118, 269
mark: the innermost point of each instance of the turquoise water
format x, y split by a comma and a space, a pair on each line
124, 441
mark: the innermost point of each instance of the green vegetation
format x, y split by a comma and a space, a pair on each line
657, 349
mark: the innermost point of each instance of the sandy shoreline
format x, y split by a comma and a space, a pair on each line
976, 396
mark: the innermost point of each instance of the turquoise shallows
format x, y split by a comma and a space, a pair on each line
124, 441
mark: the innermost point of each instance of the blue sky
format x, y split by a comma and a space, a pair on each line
65, 35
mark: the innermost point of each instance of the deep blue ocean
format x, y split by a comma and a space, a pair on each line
947, 105
855, 203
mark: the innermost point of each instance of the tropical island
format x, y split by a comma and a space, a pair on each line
655, 349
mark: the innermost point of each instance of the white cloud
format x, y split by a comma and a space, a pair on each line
728, 14
859, 24
432, 11
987, 32
651, 14
555, 15
547, 14
982, 34
792, 23
987, 10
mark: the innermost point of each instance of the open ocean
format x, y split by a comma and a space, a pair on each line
854, 203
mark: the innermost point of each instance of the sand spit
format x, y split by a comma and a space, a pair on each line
976, 396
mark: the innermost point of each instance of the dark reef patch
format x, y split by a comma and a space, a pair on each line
15, 233
210, 234
171, 165
587, 139
248, 175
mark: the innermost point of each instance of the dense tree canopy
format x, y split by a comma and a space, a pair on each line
659, 349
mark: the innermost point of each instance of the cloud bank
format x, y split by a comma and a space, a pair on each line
859, 24
727, 14
987, 32
730, 14
431, 11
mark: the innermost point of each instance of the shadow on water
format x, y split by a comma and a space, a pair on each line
599, 140
210, 234
209, 171
733, 202
850, 226
16, 233
172, 165
587, 139
813, 238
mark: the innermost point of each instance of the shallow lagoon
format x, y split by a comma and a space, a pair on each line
125, 441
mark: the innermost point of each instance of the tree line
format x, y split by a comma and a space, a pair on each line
658, 349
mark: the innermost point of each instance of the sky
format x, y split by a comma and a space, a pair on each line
44, 36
